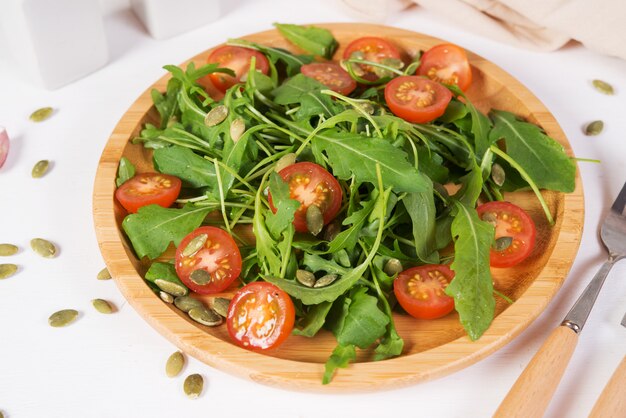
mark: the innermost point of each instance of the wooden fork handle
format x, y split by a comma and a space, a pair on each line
530, 395
612, 400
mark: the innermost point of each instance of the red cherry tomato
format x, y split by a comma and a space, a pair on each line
218, 255
147, 189
237, 59
260, 316
421, 291
331, 75
447, 64
310, 184
511, 221
375, 50
416, 99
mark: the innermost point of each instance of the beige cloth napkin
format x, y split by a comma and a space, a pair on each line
544, 25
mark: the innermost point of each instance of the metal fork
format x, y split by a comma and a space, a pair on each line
530, 395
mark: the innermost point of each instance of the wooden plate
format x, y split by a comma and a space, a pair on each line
432, 348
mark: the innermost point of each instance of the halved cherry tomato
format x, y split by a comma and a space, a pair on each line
260, 316
237, 59
421, 291
147, 189
447, 64
310, 184
510, 221
331, 75
218, 256
375, 50
416, 99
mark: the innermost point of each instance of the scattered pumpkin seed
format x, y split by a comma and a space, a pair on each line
220, 306
8, 249
603, 87
305, 278
104, 274
174, 365
102, 306
392, 267
200, 277
187, 303
594, 128
166, 297
43, 247
195, 245
193, 385
314, 219
216, 115
62, 318
7, 270
42, 114
367, 108
205, 316
497, 174
325, 280
331, 231
503, 243
491, 218
237, 128
40, 169
285, 161
172, 288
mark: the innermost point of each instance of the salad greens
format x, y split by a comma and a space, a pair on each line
391, 172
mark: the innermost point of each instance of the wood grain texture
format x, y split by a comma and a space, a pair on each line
612, 400
433, 348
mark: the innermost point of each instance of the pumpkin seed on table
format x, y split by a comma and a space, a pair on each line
325, 280
314, 219
187, 303
305, 278
41, 114
174, 365
7, 270
216, 115
205, 316
594, 128
40, 169
193, 385
220, 306
172, 288
102, 306
603, 87
8, 249
43, 247
104, 274
62, 318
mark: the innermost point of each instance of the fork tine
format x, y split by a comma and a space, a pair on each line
620, 202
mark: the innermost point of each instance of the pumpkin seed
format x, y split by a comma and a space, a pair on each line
502, 243
205, 316
216, 115
392, 267
102, 306
220, 306
305, 278
497, 174
43, 247
491, 218
367, 108
104, 274
594, 128
237, 128
603, 87
314, 219
325, 280
200, 277
195, 245
174, 365
187, 303
285, 161
172, 288
193, 385
8, 249
7, 270
42, 114
62, 318
40, 169
331, 231
166, 297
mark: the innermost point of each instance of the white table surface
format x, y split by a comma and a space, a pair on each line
112, 366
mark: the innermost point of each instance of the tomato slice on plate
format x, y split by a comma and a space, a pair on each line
416, 99
260, 316
447, 64
421, 291
148, 189
237, 59
310, 184
331, 75
373, 49
208, 260
515, 232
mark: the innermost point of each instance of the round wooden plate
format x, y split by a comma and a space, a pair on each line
432, 348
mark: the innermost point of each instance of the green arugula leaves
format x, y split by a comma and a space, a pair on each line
317, 41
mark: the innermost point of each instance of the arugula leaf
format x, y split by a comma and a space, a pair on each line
340, 358
431, 164
305, 91
472, 287
163, 271
421, 209
391, 345
543, 159
167, 104
317, 41
285, 206
275, 55
481, 125
268, 256
125, 171
364, 322
192, 169
313, 320
348, 238
153, 227
316, 263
